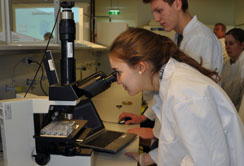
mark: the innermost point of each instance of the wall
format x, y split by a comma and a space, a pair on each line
239, 14
14, 72
128, 10
144, 14
213, 11
136, 13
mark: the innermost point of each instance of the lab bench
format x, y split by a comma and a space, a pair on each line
110, 99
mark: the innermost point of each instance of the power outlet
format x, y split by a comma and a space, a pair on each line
90, 68
85, 69
27, 60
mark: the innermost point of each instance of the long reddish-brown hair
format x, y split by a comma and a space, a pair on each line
137, 44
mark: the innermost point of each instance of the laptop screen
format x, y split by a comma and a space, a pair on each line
86, 110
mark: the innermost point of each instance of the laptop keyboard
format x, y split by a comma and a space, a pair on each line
105, 138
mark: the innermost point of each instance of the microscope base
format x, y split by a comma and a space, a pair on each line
71, 160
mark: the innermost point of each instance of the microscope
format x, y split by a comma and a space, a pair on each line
58, 132
41, 130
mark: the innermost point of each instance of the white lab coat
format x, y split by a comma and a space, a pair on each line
200, 42
233, 78
199, 123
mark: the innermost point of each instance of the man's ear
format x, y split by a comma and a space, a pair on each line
242, 44
178, 4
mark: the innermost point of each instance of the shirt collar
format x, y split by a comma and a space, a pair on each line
161, 72
189, 25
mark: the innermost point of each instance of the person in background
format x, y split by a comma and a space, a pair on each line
233, 69
47, 36
199, 125
219, 30
192, 37
197, 40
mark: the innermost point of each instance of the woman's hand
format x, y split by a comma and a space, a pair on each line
133, 155
135, 119
143, 159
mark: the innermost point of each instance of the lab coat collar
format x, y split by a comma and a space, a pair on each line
240, 58
189, 25
187, 28
168, 69
163, 84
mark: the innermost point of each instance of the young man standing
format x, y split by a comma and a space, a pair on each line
199, 41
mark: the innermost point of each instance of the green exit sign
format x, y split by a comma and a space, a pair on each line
114, 12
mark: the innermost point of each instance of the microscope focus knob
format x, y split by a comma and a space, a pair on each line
42, 158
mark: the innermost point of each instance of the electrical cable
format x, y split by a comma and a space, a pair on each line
40, 64
42, 74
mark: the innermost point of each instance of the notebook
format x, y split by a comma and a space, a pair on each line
99, 138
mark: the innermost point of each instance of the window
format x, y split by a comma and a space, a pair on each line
1, 24
31, 20
34, 22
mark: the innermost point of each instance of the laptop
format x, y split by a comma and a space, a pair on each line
99, 138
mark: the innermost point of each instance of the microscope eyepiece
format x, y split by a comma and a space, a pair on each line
97, 84
112, 77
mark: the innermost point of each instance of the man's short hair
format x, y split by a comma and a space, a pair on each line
47, 35
170, 2
222, 25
